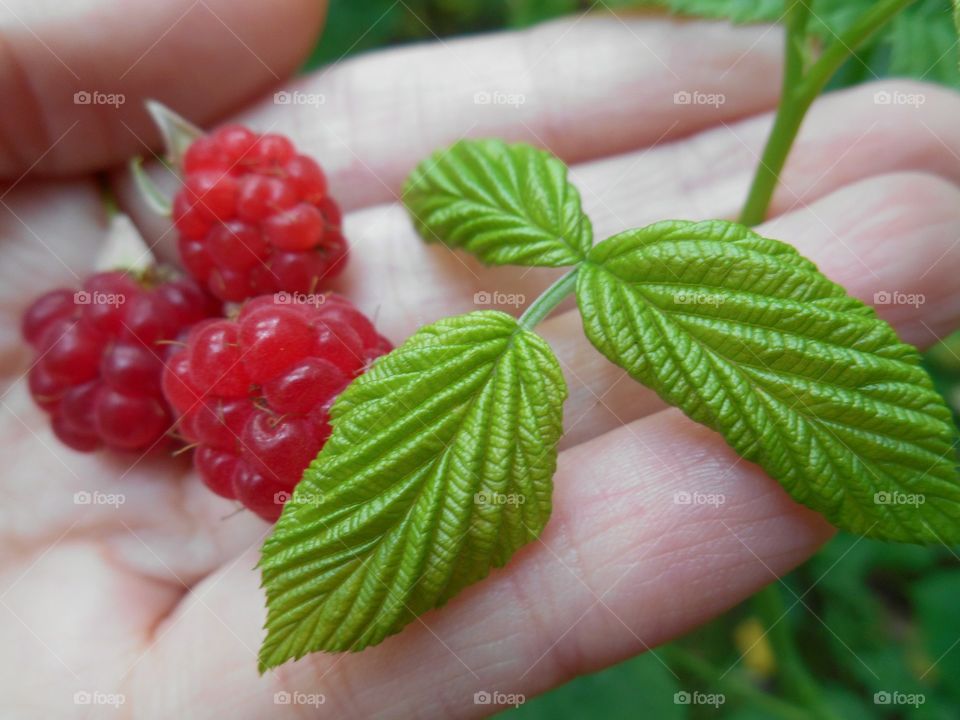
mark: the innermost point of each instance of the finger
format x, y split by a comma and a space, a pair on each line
148, 511
383, 113
116, 59
76, 640
708, 175
620, 568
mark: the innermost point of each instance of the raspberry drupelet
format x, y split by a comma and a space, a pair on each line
254, 393
254, 216
100, 356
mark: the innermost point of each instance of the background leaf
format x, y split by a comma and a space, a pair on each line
956, 15
737, 11
747, 337
912, 45
524, 13
613, 693
935, 598
920, 42
439, 467
506, 204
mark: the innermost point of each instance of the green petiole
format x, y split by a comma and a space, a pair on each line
801, 86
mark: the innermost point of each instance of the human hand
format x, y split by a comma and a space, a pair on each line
156, 600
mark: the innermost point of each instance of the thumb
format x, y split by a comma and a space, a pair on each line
80, 74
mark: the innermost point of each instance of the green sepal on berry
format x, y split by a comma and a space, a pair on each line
177, 133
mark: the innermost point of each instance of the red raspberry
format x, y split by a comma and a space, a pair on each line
253, 393
254, 217
100, 356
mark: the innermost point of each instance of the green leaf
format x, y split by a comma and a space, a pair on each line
956, 15
747, 337
920, 42
352, 27
935, 608
439, 468
523, 13
611, 693
737, 11
506, 204
828, 17
923, 43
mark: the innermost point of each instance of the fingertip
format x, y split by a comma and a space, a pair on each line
83, 75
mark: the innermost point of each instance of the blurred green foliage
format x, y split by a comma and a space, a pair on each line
865, 618
356, 26
869, 618
920, 43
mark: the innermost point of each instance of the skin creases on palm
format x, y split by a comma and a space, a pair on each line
124, 580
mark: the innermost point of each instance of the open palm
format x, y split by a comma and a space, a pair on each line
154, 601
